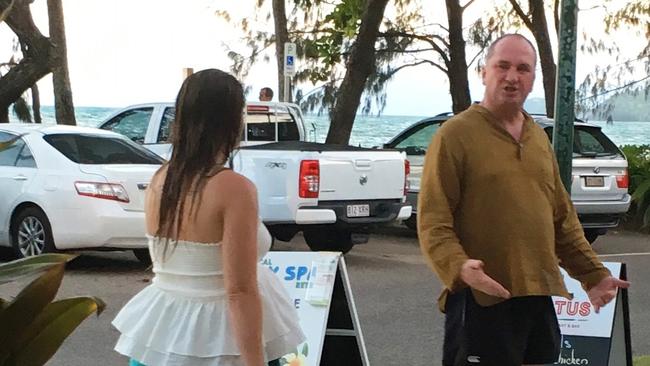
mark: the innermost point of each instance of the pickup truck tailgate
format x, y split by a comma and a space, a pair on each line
358, 175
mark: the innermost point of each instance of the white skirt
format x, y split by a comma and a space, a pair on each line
161, 327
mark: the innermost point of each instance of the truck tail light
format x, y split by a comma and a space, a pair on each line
407, 171
623, 181
108, 191
309, 180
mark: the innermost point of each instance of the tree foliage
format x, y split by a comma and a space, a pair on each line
625, 75
597, 92
40, 56
325, 32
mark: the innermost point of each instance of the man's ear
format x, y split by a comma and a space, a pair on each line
483, 74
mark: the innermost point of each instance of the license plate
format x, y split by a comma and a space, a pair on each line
594, 181
358, 210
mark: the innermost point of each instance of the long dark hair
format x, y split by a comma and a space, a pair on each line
206, 129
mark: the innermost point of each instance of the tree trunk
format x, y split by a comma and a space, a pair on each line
36, 104
545, 50
457, 66
281, 37
36, 58
359, 67
63, 104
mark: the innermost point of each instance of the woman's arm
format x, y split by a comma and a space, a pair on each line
240, 265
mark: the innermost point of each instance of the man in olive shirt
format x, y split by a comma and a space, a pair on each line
494, 221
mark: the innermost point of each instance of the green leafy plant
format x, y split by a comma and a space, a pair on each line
642, 361
33, 325
638, 158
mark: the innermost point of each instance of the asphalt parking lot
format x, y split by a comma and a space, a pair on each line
394, 290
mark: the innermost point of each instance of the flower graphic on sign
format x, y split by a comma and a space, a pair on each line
298, 358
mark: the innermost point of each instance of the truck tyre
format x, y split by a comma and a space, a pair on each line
143, 256
329, 240
591, 235
412, 223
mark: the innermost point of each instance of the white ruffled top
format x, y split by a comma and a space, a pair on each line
182, 317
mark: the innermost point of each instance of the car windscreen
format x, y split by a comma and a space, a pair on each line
96, 149
416, 140
260, 126
589, 142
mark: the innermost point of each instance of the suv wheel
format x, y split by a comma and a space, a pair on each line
31, 233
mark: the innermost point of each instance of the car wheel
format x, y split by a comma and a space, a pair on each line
412, 223
591, 236
31, 233
329, 240
143, 256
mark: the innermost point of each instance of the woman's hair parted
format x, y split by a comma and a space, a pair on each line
206, 129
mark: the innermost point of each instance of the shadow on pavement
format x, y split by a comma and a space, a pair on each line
117, 261
395, 230
95, 261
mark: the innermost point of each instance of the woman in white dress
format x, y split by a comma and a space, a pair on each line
210, 303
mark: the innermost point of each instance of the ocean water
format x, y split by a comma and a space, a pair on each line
369, 131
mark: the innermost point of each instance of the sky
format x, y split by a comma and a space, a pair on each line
124, 52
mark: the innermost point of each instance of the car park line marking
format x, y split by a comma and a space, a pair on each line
622, 255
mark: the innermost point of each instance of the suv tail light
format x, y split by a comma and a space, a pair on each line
108, 191
407, 171
623, 181
309, 180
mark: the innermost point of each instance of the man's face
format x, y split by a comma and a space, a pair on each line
509, 74
263, 96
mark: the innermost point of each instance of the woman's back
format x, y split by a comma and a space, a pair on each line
202, 219
211, 303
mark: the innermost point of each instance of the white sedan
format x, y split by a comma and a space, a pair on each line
64, 187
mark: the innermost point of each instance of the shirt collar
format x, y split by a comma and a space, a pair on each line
496, 124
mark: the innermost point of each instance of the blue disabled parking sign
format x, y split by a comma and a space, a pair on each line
289, 59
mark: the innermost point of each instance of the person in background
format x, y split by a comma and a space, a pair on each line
210, 302
266, 94
494, 221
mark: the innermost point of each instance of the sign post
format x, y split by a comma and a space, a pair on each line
289, 69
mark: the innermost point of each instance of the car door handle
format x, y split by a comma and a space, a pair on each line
20, 177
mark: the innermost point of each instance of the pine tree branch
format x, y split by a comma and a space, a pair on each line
522, 15
430, 39
467, 5
421, 62
615, 89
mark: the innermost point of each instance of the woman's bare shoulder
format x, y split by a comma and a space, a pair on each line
234, 184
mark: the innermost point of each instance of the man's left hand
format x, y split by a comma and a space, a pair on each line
601, 294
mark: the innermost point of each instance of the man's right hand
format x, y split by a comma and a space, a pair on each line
473, 275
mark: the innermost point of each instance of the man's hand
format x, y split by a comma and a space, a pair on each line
472, 274
605, 290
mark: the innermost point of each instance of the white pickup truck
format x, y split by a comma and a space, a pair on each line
334, 194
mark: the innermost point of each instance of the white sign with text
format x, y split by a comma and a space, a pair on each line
308, 277
577, 317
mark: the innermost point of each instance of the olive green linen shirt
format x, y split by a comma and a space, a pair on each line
483, 195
